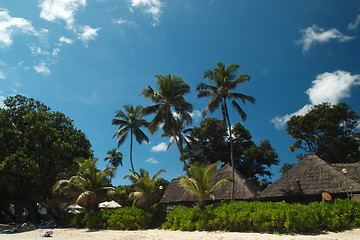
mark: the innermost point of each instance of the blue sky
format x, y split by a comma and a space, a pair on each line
88, 58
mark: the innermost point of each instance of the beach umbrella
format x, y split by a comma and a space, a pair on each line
103, 204
74, 206
113, 204
73, 211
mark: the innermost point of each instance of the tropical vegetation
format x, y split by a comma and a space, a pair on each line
209, 143
169, 104
146, 188
36, 146
130, 121
46, 162
200, 181
223, 82
327, 130
114, 158
272, 217
89, 187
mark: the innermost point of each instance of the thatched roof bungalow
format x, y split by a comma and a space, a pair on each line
307, 180
176, 193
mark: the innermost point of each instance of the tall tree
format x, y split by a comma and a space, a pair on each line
36, 145
223, 81
209, 143
114, 157
199, 182
168, 101
146, 187
329, 131
130, 121
89, 187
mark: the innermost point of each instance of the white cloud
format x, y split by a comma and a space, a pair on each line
327, 87
42, 68
151, 7
66, 40
2, 98
10, 26
119, 21
152, 160
55, 52
332, 87
88, 33
51, 10
38, 50
161, 147
2, 75
280, 122
315, 34
355, 24
196, 115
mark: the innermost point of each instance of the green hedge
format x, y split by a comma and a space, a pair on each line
266, 217
273, 217
128, 218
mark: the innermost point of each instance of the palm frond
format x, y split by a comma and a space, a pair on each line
239, 110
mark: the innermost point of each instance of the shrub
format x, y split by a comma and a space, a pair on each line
128, 218
266, 217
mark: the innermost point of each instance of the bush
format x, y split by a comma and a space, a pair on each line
266, 217
128, 218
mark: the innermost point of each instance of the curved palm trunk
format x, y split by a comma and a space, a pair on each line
181, 153
231, 152
131, 141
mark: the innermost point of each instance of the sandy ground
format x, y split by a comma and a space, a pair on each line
82, 234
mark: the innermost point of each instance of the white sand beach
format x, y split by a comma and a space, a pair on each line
155, 234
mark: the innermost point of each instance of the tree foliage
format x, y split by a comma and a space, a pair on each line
146, 189
114, 157
88, 187
327, 130
199, 182
36, 145
209, 143
223, 82
130, 123
169, 106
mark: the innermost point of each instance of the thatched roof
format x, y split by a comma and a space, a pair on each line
311, 176
353, 170
177, 193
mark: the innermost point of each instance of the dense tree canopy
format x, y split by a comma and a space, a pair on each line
329, 131
209, 143
36, 144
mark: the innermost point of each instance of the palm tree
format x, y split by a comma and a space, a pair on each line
114, 157
169, 101
130, 121
180, 131
223, 82
89, 187
200, 181
145, 187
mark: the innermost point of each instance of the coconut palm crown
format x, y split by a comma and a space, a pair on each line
145, 187
114, 157
130, 122
223, 81
89, 187
169, 104
200, 183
